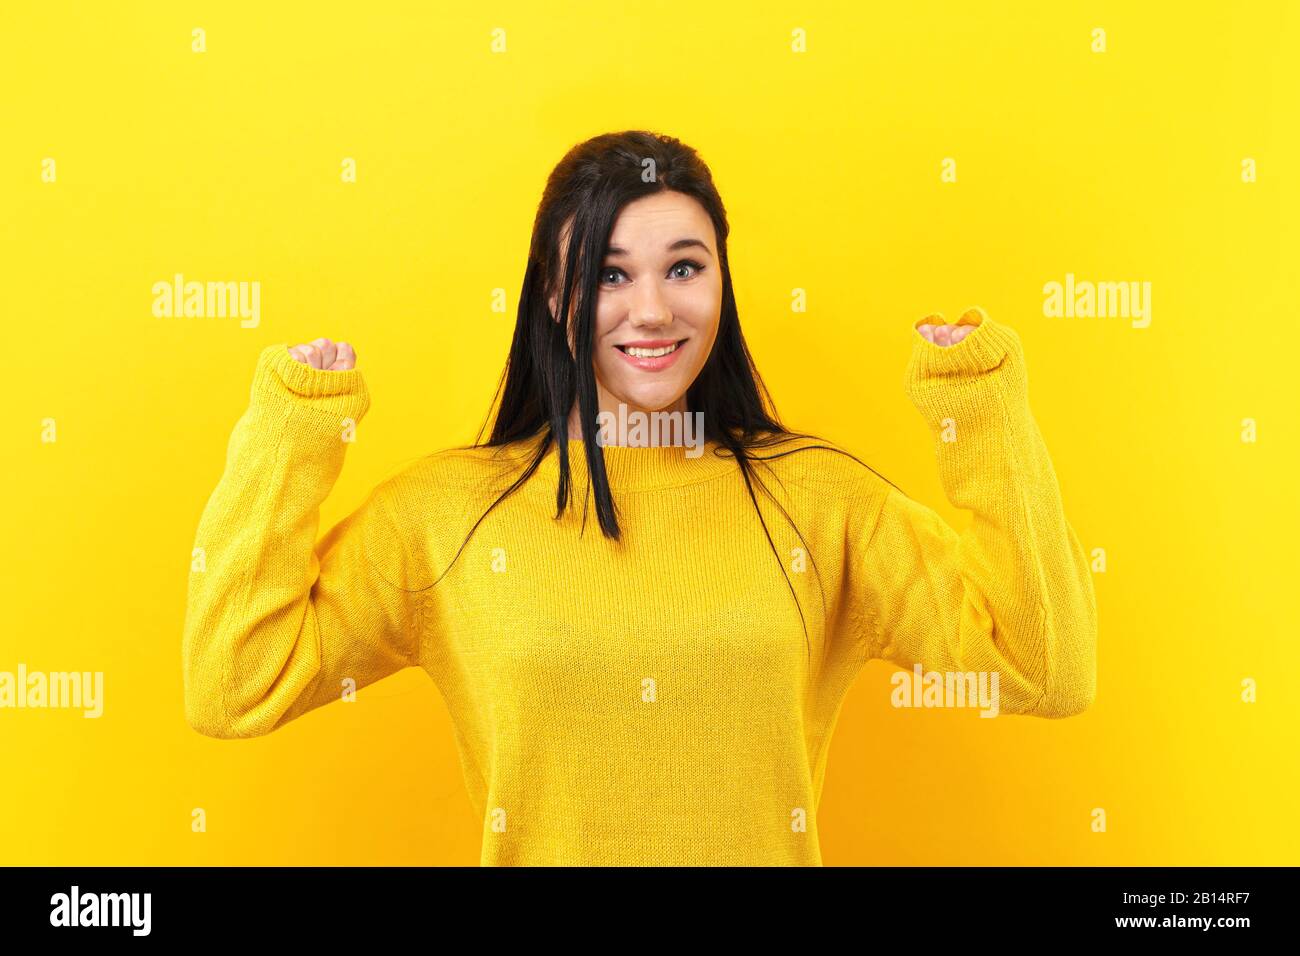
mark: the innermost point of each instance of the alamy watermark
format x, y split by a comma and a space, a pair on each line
64, 689
208, 300
916, 688
1103, 300
652, 429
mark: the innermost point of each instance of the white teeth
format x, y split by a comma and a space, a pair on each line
649, 353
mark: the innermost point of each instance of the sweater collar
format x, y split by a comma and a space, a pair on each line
639, 469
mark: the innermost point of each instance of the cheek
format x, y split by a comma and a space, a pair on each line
607, 364
602, 337
705, 307
607, 318
706, 317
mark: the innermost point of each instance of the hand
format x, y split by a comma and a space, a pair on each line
326, 355
945, 334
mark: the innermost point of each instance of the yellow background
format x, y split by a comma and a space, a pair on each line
225, 165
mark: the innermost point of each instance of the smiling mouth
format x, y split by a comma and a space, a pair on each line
641, 352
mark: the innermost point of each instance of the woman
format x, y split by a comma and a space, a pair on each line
663, 691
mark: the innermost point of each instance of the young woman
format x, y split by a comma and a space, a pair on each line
643, 644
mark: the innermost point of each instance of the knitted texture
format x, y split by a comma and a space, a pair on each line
657, 700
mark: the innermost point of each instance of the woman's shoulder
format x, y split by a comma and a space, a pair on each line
816, 464
458, 476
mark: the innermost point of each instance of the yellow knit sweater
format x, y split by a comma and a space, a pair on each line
651, 701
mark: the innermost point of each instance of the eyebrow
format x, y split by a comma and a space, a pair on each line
672, 247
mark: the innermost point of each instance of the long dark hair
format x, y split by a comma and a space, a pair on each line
544, 376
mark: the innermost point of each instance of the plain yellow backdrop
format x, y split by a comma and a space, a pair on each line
827, 127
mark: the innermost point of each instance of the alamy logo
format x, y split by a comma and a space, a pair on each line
652, 429
102, 909
70, 689
946, 689
208, 300
1102, 300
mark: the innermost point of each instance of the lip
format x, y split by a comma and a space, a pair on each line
657, 363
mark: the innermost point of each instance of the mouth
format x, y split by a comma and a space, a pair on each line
652, 356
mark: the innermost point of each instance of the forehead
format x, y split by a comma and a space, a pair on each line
648, 224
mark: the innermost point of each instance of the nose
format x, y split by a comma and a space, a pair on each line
649, 310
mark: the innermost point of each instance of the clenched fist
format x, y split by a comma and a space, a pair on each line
944, 334
326, 355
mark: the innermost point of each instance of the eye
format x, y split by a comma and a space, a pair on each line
607, 273
688, 263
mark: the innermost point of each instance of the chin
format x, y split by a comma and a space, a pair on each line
650, 399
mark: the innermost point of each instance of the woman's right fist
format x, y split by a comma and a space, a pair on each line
326, 355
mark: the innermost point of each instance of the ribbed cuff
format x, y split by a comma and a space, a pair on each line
979, 382
982, 350
341, 393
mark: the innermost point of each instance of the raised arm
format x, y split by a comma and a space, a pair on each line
276, 624
1013, 593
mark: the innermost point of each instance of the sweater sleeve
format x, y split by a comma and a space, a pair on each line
1011, 595
275, 623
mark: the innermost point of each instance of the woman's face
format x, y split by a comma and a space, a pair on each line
658, 303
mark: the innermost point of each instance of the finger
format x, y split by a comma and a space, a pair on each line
297, 355
943, 335
960, 332
327, 351
927, 332
312, 354
346, 359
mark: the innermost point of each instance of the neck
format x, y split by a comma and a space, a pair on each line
619, 424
